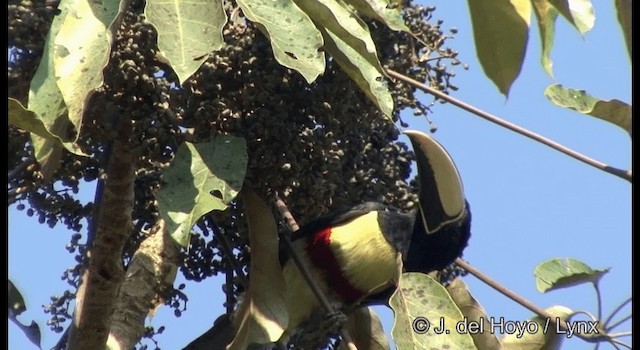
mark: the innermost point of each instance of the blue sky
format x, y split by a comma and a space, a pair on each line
529, 202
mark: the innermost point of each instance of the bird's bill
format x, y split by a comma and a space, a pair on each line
441, 196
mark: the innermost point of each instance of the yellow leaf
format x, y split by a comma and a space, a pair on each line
262, 317
501, 32
366, 331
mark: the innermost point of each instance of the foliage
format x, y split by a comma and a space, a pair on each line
302, 86
231, 93
16, 306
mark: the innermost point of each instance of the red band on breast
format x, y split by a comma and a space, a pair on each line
322, 256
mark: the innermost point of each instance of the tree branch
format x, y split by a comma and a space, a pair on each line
227, 251
284, 211
524, 302
624, 174
148, 280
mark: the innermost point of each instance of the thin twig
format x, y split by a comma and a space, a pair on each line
619, 322
18, 169
621, 334
617, 309
17, 190
598, 300
93, 219
621, 343
307, 276
230, 264
614, 345
12, 198
286, 214
229, 280
97, 198
624, 174
524, 302
228, 252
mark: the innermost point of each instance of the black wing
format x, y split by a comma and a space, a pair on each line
336, 218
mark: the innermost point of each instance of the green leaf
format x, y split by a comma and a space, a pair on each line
27, 120
386, 12
562, 273
83, 44
418, 302
187, 31
577, 12
16, 307
546, 15
623, 8
294, 38
538, 333
202, 177
47, 103
262, 316
474, 312
369, 77
501, 32
45, 98
613, 111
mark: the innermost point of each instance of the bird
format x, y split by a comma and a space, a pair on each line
353, 253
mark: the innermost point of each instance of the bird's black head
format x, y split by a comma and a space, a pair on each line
435, 251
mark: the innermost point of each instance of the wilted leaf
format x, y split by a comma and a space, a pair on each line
537, 333
262, 317
202, 177
349, 41
474, 312
546, 15
82, 50
29, 121
577, 12
623, 8
294, 38
368, 76
501, 32
336, 17
16, 307
48, 154
612, 111
386, 12
366, 331
187, 31
561, 273
423, 309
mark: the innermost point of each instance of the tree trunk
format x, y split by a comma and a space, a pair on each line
95, 301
